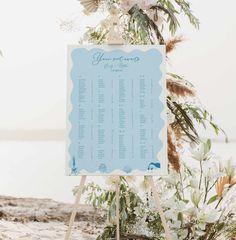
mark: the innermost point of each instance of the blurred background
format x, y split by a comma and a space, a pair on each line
33, 86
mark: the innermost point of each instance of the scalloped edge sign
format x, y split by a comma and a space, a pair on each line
116, 110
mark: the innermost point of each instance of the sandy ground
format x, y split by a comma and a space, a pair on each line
39, 231
41, 219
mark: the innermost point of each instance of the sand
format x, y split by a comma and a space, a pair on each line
39, 231
41, 219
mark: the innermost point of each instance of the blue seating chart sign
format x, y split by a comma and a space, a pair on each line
116, 119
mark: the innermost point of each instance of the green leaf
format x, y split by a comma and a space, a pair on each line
185, 7
183, 120
207, 146
212, 199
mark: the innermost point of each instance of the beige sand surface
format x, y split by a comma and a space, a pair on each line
41, 219
40, 231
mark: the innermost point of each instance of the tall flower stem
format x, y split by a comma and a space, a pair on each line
200, 181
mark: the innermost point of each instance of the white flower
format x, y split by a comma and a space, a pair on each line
193, 183
172, 179
196, 197
175, 206
206, 215
183, 233
198, 152
191, 212
175, 224
230, 168
211, 170
201, 152
67, 25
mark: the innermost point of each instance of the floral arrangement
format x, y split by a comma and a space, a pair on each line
199, 202
142, 21
199, 199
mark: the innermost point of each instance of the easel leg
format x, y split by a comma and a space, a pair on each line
159, 208
117, 210
75, 208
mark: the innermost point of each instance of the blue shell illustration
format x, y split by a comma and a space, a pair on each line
102, 168
153, 165
74, 167
127, 169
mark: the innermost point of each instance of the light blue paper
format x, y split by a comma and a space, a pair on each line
115, 116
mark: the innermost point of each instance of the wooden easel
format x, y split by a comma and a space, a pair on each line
114, 38
156, 197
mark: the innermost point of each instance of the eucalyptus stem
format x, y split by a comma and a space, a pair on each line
200, 181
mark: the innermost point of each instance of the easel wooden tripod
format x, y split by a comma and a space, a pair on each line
156, 197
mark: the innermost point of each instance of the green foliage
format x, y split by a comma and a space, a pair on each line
172, 10
108, 233
212, 199
185, 7
192, 210
96, 35
141, 26
143, 29
183, 120
187, 114
169, 9
203, 117
129, 200
154, 225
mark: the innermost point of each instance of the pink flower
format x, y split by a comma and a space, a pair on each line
126, 5
146, 4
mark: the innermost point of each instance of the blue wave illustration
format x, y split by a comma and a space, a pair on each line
154, 165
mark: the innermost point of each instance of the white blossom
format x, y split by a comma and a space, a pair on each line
196, 197
194, 183
200, 152
211, 170
68, 25
230, 168
206, 215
